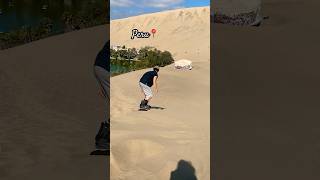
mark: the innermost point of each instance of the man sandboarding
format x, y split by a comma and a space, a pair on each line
101, 72
146, 82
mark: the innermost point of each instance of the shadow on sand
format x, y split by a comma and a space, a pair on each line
156, 107
184, 171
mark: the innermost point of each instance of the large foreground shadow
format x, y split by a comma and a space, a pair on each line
184, 171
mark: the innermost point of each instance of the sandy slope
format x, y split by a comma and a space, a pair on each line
50, 108
148, 145
183, 32
266, 95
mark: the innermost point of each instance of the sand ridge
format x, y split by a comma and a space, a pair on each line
50, 108
148, 145
266, 95
183, 32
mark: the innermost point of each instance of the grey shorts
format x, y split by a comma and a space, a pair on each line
146, 90
103, 78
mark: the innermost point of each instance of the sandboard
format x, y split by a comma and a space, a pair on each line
143, 109
151, 107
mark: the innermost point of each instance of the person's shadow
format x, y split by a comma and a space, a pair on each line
184, 171
156, 107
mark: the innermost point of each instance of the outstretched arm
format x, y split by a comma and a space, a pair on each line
155, 83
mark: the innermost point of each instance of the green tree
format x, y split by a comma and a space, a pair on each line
166, 58
131, 53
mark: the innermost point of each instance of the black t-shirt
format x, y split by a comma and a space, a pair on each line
103, 57
147, 78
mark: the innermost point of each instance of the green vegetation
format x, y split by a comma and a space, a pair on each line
26, 34
146, 57
92, 15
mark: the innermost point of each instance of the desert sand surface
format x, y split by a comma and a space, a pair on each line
148, 145
177, 32
266, 95
50, 109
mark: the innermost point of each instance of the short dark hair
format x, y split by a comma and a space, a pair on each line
156, 69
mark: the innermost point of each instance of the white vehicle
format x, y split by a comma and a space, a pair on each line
183, 64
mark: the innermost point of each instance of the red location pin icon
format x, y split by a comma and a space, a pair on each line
153, 31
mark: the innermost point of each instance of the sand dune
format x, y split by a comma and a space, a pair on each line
183, 32
148, 145
266, 95
50, 109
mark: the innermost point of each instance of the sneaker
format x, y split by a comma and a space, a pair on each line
142, 104
102, 144
102, 139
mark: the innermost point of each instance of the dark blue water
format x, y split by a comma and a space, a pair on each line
17, 13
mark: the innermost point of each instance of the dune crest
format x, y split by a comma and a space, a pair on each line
183, 28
